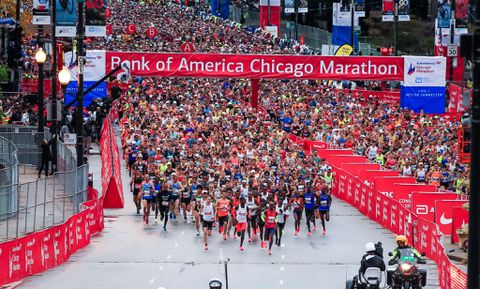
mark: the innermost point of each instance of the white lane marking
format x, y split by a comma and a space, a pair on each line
176, 245
282, 269
182, 233
281, 282
283, 256
151, 281
169, 256
283, 245
160, 269
161, 287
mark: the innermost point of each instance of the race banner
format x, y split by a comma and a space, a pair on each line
290, 6
403, 192
95, 18
456, 97
403, 8
423, 203
386, 185
388, 10
272, 9
94, 70
424, 84
41, 12
461, 13
444, 214
66, 18
259, 66
444, 13
302, 6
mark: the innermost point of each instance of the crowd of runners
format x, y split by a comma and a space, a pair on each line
196, 152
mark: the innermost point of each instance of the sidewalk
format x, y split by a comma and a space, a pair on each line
42, 202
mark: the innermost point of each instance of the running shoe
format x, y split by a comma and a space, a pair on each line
324, 232
206, 247
241, 248
269, 252
198, 233
309, 234
224, 237
164, 228
249, 240
314, 228
156, 220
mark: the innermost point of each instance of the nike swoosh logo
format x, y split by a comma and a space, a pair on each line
445, 221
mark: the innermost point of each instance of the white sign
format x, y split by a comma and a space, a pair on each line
424, 71
94, 68
272, 30
70, 138
452, 50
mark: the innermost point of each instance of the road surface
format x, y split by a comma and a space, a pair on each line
129, 255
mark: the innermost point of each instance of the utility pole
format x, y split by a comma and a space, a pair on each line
352, 23
16, 71
395, 24
80, 62
41, 100
473, 268
53, 96
296, 20
268, 12
452, 37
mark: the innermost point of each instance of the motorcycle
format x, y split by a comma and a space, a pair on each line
407, 275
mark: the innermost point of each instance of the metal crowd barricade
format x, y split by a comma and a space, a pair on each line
42, 203
8, 177
26, 139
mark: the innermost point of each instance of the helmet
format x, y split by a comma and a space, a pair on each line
403, 239
369, 247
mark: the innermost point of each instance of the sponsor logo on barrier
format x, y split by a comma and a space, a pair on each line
423, 210
393, 216
14, 261
45, 256
445, 221
388, 194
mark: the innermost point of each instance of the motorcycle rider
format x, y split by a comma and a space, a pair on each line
402, 243
369, 260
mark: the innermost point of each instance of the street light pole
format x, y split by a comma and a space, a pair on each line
53, 96
40, 57
352, 23
395, 24
80, 61
452, 38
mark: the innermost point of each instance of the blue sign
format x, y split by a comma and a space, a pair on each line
99, 91
430, 99
66, 12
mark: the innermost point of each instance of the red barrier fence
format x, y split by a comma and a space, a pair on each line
355, 187
112, 188
46, 249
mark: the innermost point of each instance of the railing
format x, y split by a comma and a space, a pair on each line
8, 176
26, 139
43, 203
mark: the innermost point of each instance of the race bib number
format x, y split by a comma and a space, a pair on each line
164, 203
307, 200
271, 219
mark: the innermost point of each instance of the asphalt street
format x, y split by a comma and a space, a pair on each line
129, 254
